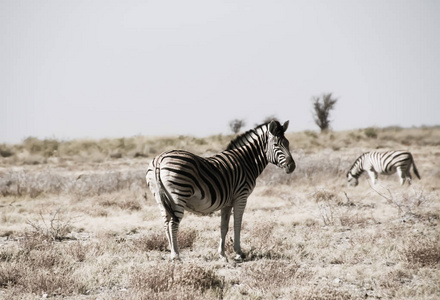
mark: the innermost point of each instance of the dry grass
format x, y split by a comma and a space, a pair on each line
79, 223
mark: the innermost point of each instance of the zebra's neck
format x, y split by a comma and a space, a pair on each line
252, 146
358, 167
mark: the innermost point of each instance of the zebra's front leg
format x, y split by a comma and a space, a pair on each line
238, 217
373, 176
224, 225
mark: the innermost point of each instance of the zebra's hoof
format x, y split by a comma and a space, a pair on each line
239, 257
175, 257
223, 258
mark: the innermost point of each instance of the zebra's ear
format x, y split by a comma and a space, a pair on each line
285, 125
273, 127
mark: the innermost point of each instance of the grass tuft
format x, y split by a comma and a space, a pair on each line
423, 253
183, 277
273, 273
158, 240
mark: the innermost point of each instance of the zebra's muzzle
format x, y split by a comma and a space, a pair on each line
290, 167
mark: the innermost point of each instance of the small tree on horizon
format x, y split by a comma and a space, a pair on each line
321, 110
236, 125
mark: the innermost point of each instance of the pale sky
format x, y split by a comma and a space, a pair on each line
101, 68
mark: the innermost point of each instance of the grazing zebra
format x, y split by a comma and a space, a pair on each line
182, 181
387, 163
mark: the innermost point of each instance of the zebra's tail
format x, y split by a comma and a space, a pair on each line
165, 196
415, 168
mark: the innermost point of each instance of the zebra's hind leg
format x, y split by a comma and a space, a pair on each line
403, 175
166, 224
173, 229
408, 176
224, 224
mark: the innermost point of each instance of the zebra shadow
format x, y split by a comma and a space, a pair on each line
255, 253
259, 254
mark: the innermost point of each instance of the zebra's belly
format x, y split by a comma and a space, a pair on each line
388, 171
204, 206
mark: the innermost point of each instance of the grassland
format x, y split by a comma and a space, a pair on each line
78, 222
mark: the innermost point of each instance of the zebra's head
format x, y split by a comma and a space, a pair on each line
356, 170
277, 151
352, 180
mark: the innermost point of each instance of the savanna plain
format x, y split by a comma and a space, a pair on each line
78, 222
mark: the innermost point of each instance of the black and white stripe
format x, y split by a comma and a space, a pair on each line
386, 163
183, 181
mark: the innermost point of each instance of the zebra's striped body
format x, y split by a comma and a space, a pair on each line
387, 163
183, 181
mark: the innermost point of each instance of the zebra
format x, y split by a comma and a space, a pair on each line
387, 163
180, 180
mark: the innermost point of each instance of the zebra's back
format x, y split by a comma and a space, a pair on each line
387, 162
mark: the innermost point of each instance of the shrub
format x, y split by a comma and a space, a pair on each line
151, 241
370, 132
45, 148
264, 243
328, 203
5, 151
54, 229
199, 278
10, 274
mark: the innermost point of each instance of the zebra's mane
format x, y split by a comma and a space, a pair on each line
243, 138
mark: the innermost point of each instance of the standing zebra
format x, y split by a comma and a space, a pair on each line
180, 180
384, 163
